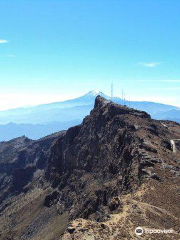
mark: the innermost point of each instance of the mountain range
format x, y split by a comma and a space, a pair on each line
38, 121
117, 170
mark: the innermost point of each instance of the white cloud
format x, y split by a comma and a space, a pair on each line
7, 56
165, 100
159, 80
170, 81
164, 89
3, 41
149, 64
15, 100
11, 56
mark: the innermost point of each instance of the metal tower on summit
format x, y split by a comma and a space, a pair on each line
112, 91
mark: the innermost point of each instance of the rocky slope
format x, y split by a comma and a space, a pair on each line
99, 180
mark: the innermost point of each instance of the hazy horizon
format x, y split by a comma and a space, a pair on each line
58, 99
52, 51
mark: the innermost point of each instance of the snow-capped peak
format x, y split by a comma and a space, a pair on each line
95, 92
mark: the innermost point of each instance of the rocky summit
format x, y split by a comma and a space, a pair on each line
116, 171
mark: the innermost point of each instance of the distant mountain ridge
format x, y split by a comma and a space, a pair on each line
172, 115
65, 110
33, 131
38, 121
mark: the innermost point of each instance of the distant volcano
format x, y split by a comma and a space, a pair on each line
39, 121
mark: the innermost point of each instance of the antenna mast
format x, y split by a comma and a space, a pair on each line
122, 97
112, 91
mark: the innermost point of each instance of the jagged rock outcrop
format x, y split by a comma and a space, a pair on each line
21, 163
101, 158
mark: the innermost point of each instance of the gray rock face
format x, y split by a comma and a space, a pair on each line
21, 162
97, 160
86, 170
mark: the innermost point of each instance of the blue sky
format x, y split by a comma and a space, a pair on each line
52, 50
